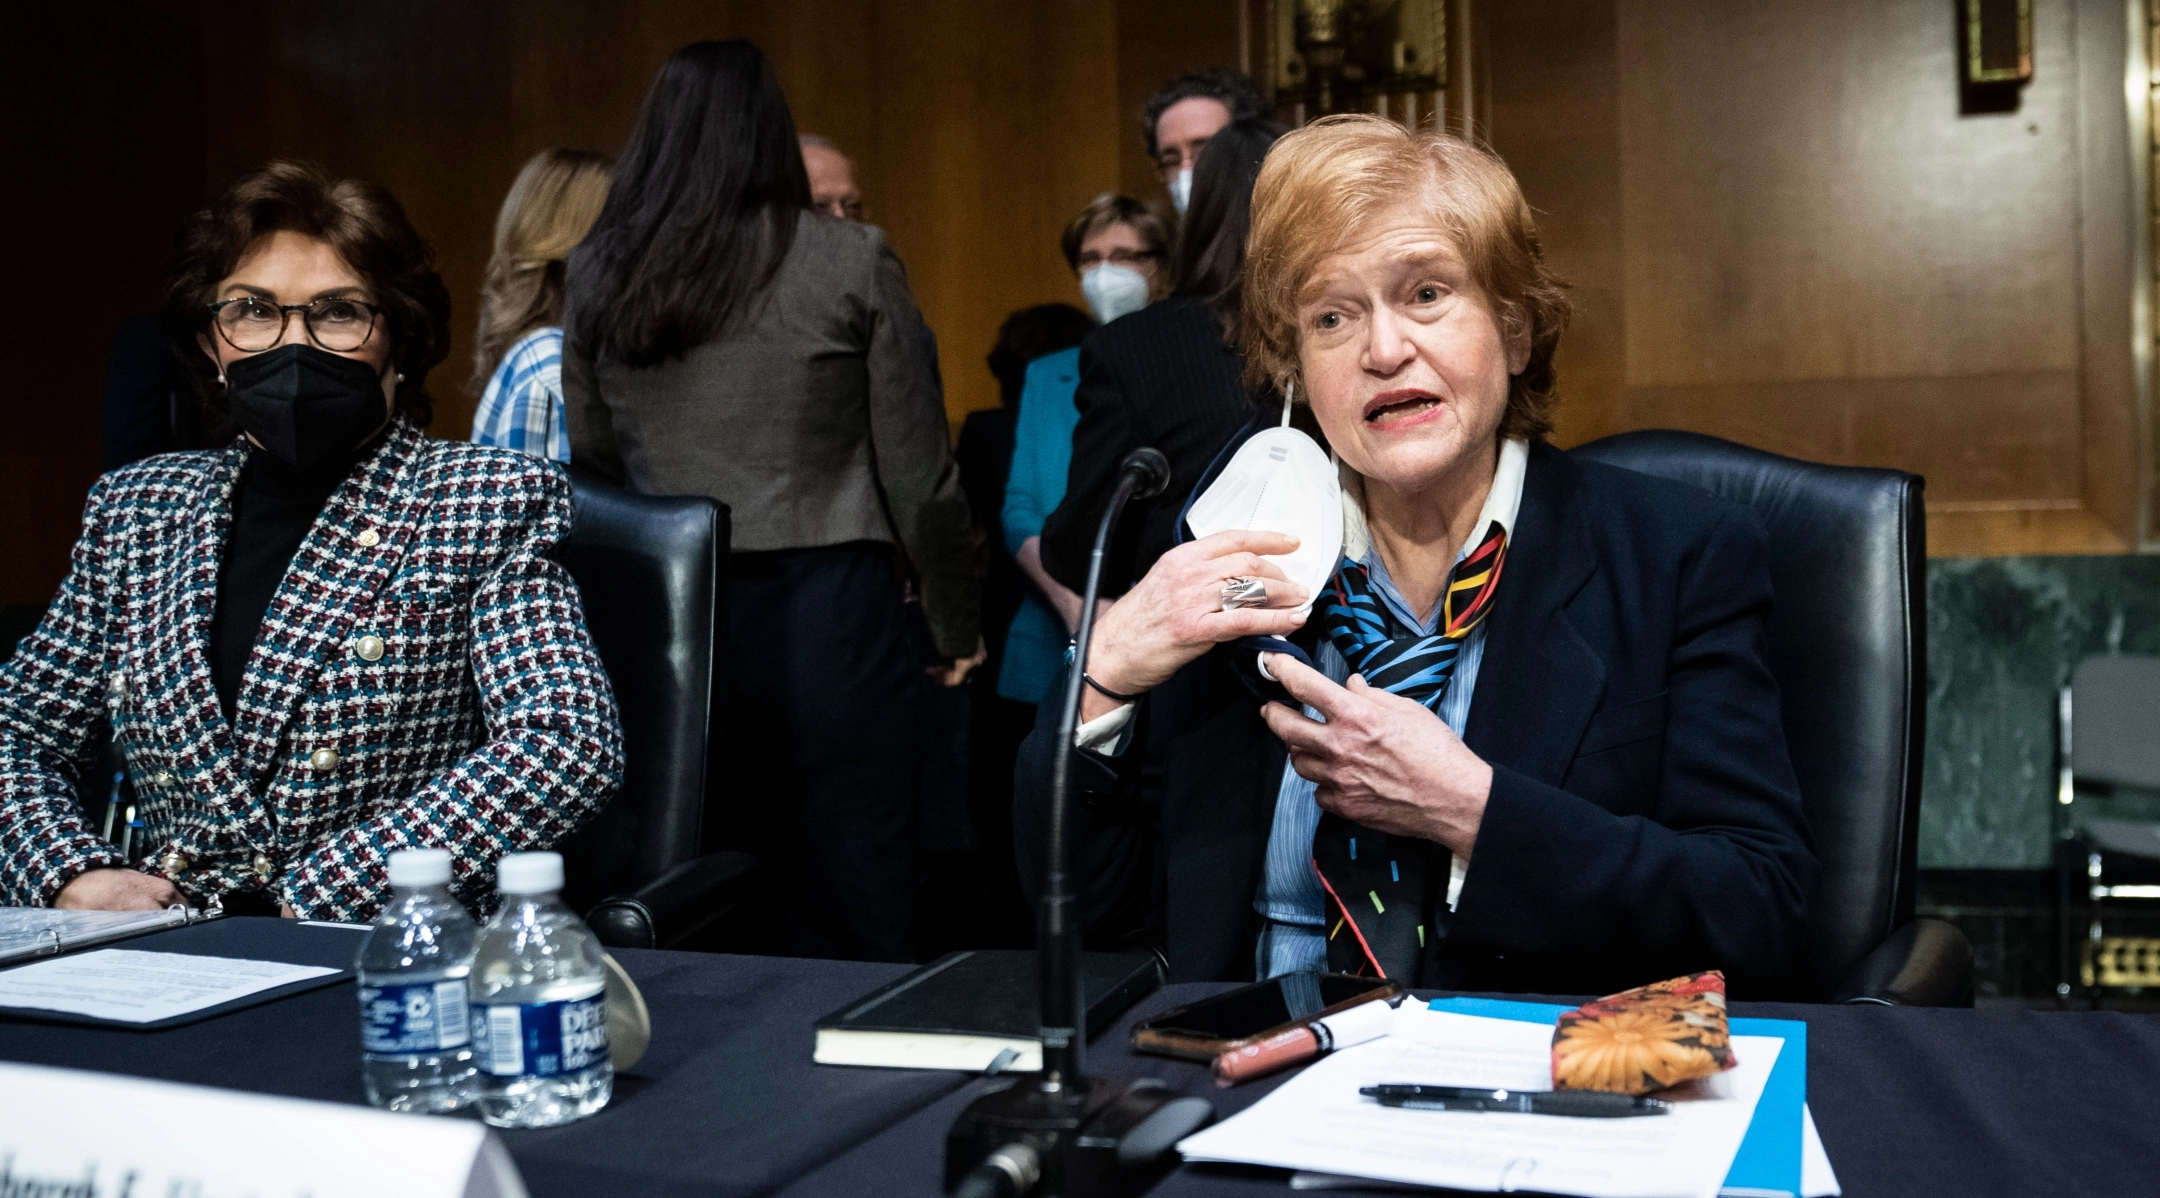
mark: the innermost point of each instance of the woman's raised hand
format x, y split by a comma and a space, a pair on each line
1175, 614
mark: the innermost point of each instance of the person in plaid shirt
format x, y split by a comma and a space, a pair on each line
517, 357
329, 640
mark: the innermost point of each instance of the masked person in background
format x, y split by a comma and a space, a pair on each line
331, 639
1167, 378
1183, 114
1116, 247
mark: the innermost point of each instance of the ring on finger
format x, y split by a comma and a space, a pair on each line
1243, 592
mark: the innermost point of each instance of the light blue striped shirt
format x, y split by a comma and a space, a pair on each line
522, 408
1294, 939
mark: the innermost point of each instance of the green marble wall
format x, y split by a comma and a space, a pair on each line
2003, 635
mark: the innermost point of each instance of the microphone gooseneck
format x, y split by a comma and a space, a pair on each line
1057, 1133
1143, 474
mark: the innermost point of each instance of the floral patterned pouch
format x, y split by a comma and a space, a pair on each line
1645, 1039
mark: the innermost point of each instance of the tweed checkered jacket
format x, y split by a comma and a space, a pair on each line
422, 677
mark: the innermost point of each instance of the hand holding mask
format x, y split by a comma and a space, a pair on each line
1279, 480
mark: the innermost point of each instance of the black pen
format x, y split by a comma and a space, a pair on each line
1582, 1104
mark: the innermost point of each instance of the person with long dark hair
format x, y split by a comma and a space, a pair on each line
1166, 376
724, 339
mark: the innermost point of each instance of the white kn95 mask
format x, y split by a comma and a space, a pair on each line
1181, 191
1114, 291
1279, 480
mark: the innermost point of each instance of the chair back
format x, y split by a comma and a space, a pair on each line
2115, 721
648, 571
1848, 646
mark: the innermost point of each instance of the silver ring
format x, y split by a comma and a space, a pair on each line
1243, 592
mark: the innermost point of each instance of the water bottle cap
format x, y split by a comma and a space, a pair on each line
529, 873
419, 867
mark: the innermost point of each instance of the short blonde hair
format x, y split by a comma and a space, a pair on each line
1320, 185
554, 201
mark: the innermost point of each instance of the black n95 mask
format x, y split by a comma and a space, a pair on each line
307, 407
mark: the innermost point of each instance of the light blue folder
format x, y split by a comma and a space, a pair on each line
1769, 1158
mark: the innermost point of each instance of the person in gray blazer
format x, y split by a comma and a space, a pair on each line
724, 339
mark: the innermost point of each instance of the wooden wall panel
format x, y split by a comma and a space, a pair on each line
1776, 224
409, 94
1157, 42
983, 153
978, 128
1781, 230
1554, 115
1804, 201
101, 134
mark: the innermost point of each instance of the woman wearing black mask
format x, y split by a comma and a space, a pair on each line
330, 640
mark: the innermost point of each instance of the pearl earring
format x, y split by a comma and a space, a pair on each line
401, 376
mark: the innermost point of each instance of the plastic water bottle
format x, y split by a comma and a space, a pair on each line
539, 1003
414, 1034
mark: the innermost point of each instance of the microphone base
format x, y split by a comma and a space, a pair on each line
1113, 1139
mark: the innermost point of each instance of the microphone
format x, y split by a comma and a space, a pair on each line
1083, 1136
1150, 467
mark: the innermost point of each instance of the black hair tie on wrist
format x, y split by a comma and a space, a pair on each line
1105, 691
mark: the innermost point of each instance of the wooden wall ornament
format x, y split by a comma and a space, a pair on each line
1384, 56
1998, 42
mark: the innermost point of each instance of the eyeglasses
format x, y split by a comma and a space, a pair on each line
252, 325
1132, 258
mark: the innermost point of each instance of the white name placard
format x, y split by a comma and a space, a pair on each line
65, 1133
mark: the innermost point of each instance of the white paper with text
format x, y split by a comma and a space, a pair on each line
132, 986
1319, 1122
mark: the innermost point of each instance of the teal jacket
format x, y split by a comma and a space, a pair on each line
1042, 450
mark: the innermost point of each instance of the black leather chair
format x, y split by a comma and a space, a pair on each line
1848, 644
649, 570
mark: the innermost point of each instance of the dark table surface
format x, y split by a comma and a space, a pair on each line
727, 1101
1909, 1102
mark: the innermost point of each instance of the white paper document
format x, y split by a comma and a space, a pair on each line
66, 1132
133, 986
1319, 1122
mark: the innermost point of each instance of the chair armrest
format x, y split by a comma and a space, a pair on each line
1926, 963
676, 905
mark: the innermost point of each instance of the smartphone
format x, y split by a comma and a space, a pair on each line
1207, 1029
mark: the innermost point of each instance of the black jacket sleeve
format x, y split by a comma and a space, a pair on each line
1115, 832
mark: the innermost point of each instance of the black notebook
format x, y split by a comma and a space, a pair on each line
963, 1009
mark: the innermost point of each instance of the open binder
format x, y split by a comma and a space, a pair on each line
27, 932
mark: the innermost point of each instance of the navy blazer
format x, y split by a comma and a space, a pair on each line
1644, 818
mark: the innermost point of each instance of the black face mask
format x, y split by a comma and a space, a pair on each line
307, 407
